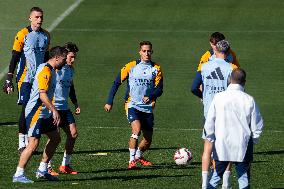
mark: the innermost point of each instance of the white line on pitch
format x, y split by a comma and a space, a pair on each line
53, 25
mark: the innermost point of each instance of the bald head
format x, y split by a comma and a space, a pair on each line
238, 76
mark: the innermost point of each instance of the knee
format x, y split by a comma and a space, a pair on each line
147, 141
74, 135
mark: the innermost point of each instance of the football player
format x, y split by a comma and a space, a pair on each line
64, 89
211, 53
214, 78
145, 84
42, 117
30, 49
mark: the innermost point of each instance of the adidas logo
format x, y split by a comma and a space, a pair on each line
217, 74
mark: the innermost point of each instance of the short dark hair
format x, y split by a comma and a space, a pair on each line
37, 9
238, 76
71, 47
57, 51
145, 43
216, 37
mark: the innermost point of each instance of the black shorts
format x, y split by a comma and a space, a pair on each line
40, 126
66, 118
24, 90
146, 119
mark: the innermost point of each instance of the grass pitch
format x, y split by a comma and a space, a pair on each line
108, 33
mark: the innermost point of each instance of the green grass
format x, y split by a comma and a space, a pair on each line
108, 33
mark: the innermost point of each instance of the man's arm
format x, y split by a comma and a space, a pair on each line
209, 126
195, 87
43, 78
44, 98
122, 76
73, 98
204, 58
159, 84
256, 123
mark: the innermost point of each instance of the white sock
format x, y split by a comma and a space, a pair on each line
49, 165
66, 159
205, 179
138, 154
42, 167
22, 143
226, 179
26, 140
19, 171
132, 153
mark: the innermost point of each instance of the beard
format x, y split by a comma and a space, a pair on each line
59, 66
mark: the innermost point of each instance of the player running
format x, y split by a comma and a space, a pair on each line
144, 85
30, 49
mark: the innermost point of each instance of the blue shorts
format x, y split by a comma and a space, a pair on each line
146, 119
24, 91
67, 118
40, 126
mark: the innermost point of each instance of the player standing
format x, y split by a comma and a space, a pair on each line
233, 126
214, 78
42, 117
64, 89
145, 85
30, 49
210, 54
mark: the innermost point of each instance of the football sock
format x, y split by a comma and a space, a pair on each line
226, 179
132, 153
26, 140
205, 179
138, 154
66, 159
22, 143
42, 167
49, 165
19, 171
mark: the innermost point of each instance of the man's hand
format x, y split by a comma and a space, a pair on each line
146, 99
56, 117
108, 107
8, 85
77, 110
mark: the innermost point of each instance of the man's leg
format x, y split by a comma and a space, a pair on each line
135, 128
143, 146
24, 91
24, 158
147, 124
206, 161
71, 135
23, 137
220, 167
243, 172
51, 145
226, 177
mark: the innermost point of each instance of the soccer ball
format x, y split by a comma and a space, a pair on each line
183, 156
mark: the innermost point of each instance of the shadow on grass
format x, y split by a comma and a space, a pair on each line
128, 177
113, 150
8, 124
171, 166
274, 152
